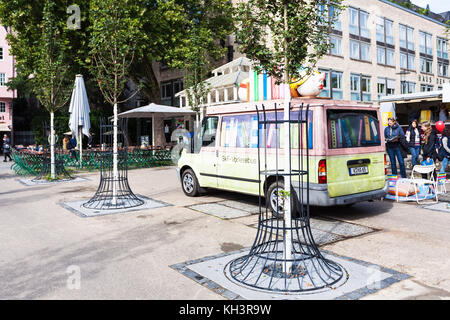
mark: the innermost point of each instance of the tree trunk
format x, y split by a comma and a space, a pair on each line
115, 151
287, 161
142, 70
52, 146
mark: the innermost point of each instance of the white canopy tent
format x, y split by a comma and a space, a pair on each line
152, 110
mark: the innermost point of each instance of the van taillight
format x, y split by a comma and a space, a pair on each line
322, 171
385, 164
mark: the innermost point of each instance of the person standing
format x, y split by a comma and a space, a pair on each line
90, 138
393, 133
413, 139
446, 148
443, 114
65, 142
429, 150
6, 148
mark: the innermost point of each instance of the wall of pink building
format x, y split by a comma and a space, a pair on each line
6, 67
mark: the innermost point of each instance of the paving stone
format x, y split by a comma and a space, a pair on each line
219, 210
440, 206
340, 228
254, 209
322, 237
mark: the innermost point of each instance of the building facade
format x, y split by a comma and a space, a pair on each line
6, 96
379, 48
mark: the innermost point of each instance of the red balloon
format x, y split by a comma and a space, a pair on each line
440, 125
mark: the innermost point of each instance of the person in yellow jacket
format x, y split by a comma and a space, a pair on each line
65, 142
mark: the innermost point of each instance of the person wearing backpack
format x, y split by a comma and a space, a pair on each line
413, 138
6, 148
445, 149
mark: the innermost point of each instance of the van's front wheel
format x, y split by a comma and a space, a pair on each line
189, 183
275, 201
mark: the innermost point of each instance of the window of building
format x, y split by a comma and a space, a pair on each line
385, 31
336, 15
332, 89
336, 45
328, 14
406, 61
1, 53
358, 22
407, 53
426, 87
2, 79
426, 65
406, 37
2, 107
359, 50
336, 85
425, 45
385, 56
168, 91
360, 87
385, 87
442, 69
407, 87
442, 49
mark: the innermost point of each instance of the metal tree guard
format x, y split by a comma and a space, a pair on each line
103, 198
267, 266
60, 170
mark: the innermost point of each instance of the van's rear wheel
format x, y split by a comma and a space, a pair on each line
189, 183
275, 201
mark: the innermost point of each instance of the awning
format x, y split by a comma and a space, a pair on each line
413, 97
4, 127
156, 109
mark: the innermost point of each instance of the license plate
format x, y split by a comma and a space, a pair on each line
354, 171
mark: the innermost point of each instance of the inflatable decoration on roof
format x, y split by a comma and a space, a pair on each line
261, 86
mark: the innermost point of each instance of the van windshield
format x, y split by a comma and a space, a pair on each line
352, 129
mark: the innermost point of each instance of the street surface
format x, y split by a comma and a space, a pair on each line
48, 252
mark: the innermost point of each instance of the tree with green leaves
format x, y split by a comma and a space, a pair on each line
283, 37
163, 35
115, 26
182, 34
206, 25
25, 18
50, 80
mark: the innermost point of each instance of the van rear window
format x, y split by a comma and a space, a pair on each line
352, 129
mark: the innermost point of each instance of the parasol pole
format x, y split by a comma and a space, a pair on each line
80, 143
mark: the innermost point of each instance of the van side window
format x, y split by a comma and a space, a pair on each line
241, 131
208, 132
352, 129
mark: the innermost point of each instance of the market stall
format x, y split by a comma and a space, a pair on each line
429, 106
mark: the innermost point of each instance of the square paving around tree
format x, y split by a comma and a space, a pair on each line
31, 182
77, 207
362, 279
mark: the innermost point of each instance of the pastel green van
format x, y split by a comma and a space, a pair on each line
346, 152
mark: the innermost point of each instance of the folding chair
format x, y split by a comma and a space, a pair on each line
429, 183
